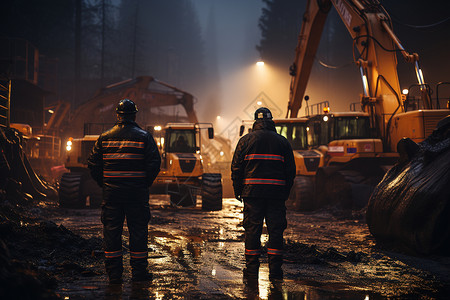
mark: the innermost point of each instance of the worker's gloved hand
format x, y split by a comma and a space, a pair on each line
238, 197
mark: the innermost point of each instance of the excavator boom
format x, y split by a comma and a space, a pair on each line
147, 92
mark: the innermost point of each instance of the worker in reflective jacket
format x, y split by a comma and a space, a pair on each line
125, 161
263, 171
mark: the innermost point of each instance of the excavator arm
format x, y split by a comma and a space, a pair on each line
308, 41
375, 47
100, 108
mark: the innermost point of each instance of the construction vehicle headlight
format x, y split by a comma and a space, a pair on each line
69, 143
325, 118
68, 147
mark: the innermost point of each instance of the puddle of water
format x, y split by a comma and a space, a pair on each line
300, 290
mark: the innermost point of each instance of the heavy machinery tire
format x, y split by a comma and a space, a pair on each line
302, 194
183, 196
343, 188
70, 195
355, 192
212, 191
90, 188
320, 189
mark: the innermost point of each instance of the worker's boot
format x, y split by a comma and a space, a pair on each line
114, 269
275, 270
139, 270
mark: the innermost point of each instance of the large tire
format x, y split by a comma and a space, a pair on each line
344, 188
302, 194
70, 195
212, 191
183, 196
321, 196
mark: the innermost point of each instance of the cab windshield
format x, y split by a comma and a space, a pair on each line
351, 128
181, 141
324, 129
295, 134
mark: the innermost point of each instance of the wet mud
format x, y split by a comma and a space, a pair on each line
199, 255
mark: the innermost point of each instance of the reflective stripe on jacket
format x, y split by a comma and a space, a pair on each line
124, 160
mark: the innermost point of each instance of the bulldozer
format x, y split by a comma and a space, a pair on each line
359, 147
182, 175
18, 181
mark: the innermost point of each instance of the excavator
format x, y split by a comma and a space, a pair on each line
150, 95
359, 147
182, 175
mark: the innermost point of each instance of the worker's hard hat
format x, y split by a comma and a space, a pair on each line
263, 113
126, 106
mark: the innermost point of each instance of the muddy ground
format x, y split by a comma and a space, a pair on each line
199, 255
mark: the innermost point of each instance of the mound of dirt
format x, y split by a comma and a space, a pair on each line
36, 252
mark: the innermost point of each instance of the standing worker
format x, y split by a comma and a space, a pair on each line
263, 171
125, 161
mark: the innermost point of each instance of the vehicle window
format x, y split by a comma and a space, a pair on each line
295, 134
181, 141
351, 128
299, 137
282, 130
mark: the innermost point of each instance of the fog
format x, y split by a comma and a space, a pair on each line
236, 37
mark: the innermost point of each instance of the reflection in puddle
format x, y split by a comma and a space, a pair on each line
294, 290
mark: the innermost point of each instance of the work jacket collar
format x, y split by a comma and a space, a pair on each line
127, 122
264, 124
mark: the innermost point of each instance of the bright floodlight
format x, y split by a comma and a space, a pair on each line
259, 102
260, 63
405, 92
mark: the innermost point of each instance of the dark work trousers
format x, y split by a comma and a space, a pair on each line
256, 210
113, 216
